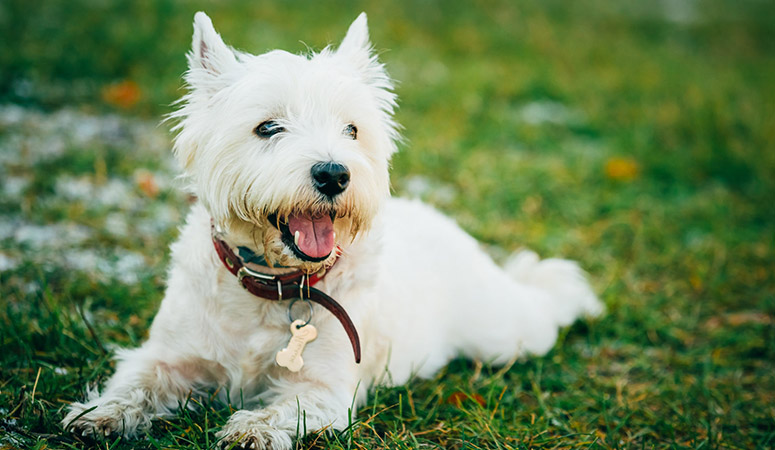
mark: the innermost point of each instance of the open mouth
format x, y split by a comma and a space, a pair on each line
310, 236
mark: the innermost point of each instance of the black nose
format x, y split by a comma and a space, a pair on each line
330, 178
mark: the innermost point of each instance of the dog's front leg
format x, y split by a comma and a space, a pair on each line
295, 407
149, 382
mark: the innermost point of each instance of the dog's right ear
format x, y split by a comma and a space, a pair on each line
209, 56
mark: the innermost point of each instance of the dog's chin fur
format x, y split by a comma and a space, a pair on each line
418, 289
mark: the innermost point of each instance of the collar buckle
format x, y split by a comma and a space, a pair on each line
244, 271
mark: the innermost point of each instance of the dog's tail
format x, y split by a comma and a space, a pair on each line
563, 279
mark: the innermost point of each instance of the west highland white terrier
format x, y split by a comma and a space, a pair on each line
297, 282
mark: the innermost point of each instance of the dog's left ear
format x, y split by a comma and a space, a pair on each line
357, 50
356, 42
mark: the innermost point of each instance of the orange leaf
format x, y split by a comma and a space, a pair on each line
457, 398
621, 169
147, 183
124, 94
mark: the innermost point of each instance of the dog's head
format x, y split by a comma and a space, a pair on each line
290, 150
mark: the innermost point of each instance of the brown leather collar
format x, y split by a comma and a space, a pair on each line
278, 287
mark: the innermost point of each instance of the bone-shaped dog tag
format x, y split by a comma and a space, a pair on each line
290, 356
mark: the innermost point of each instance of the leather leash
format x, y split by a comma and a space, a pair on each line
279, 287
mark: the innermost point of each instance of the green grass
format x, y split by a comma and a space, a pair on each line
681, 246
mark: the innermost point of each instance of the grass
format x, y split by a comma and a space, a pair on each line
639, 141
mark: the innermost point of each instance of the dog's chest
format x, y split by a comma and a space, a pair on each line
252, 331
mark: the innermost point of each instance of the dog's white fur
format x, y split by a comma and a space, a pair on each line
419, 290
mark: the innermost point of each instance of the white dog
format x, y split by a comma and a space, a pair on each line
288, 156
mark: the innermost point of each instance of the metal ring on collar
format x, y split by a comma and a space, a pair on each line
290, 311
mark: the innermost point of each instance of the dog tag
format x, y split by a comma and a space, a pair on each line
290, 356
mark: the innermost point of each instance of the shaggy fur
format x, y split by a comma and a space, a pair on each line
419, 290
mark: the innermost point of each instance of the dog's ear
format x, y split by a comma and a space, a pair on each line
356, 51
356, 48
209, 56
356, 42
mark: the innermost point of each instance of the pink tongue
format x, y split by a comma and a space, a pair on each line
316, 234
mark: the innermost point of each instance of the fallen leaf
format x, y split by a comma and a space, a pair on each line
621, 169
147, 183
124, 94
457, 398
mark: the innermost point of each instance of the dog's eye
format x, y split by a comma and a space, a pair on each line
351, 131
268, 129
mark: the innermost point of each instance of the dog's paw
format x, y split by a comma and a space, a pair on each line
563, 279
252, 430
88, 420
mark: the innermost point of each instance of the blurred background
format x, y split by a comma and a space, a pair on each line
636, 137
